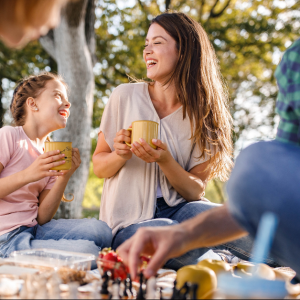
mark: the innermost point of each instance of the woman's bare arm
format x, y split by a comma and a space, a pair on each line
107, 163
190, 185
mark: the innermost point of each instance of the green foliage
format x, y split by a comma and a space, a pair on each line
16, 64
244, 33
93, 191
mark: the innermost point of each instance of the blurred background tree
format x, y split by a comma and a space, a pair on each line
249, 38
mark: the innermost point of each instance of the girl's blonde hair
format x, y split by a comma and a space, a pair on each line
201, 91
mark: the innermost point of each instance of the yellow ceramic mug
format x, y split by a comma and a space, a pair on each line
65, 148
146, 130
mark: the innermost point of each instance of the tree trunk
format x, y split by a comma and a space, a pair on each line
71, 45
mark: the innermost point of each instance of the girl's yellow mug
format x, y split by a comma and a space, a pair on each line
65, 148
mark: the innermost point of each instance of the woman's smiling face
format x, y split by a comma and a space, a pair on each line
160, 54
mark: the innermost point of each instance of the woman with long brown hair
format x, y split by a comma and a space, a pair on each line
187, 98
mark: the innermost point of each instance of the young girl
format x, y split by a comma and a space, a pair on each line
30, 193
147, 187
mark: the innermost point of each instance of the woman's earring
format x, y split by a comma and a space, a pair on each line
36, 109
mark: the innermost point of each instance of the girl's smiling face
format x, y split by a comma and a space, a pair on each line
160, 54
51, 108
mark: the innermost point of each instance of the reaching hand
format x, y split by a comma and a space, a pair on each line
121, 148
40, 168
145, 152
162, 243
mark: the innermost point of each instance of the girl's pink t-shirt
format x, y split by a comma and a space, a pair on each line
17, 152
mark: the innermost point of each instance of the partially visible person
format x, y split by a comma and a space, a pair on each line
30, 193
24, 20
266, 178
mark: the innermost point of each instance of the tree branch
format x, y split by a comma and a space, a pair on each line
143, 8
90, 18
47, 42
75, 12
168, 3
213, 14
201, 10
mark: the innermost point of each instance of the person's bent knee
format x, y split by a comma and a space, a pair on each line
104, 234
98, 232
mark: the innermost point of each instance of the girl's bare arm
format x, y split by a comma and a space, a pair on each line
49, 200
38, 170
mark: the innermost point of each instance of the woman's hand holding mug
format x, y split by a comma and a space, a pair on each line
123, 136
145, 152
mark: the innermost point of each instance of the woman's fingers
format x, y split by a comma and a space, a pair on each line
122, 138
144, 151
121, 146
148, 149
159, 144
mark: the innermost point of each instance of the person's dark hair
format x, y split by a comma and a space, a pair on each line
31, 86
201, 90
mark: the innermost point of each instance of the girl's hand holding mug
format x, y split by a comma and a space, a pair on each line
121, 148
76, 161
145, 152
40, 168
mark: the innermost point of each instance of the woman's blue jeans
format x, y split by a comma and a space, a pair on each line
84, 236
166, 215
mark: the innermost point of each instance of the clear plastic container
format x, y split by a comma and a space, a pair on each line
53, 259
230, 287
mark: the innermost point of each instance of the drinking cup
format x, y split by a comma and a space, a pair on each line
146, 130
65, 148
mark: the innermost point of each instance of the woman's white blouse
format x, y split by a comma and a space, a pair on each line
129, 197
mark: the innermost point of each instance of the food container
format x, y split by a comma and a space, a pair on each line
230, 287
53, 259
117, 269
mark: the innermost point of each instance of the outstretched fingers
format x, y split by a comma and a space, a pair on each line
157, 261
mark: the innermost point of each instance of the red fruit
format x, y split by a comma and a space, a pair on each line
145, 259
111, 256
101, 255
120, 272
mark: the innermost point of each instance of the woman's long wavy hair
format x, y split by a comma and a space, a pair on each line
201, 91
